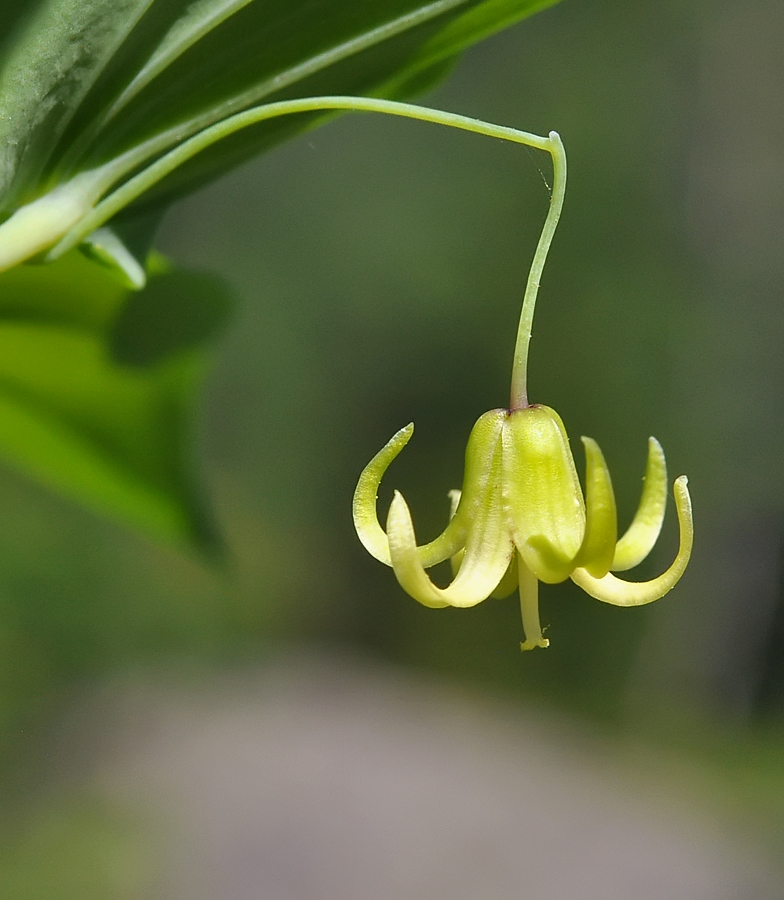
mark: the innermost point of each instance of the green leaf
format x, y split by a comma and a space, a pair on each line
388, 49
97, 405
476, 23
48, 71
90, 80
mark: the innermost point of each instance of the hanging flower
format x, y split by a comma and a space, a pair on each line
521, 516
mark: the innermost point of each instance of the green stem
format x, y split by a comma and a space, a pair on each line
144, 180
117, 169
519, 392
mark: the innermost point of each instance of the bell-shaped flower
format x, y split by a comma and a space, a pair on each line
522, 518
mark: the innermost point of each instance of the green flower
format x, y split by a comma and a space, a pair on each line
521, 516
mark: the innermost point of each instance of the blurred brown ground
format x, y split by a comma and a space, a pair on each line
319, 777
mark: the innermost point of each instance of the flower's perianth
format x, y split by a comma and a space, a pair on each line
521, 516
488, 545
542, 497
610, 589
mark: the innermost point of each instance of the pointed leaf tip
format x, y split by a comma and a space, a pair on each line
114, 438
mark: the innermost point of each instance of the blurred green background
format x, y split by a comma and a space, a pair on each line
378, 267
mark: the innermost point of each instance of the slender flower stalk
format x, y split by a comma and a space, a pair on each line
187, 149
66, 216
519, 392
521, 516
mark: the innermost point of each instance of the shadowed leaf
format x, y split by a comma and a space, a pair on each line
98, 387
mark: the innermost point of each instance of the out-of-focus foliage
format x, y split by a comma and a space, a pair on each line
77, 848
98, 386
